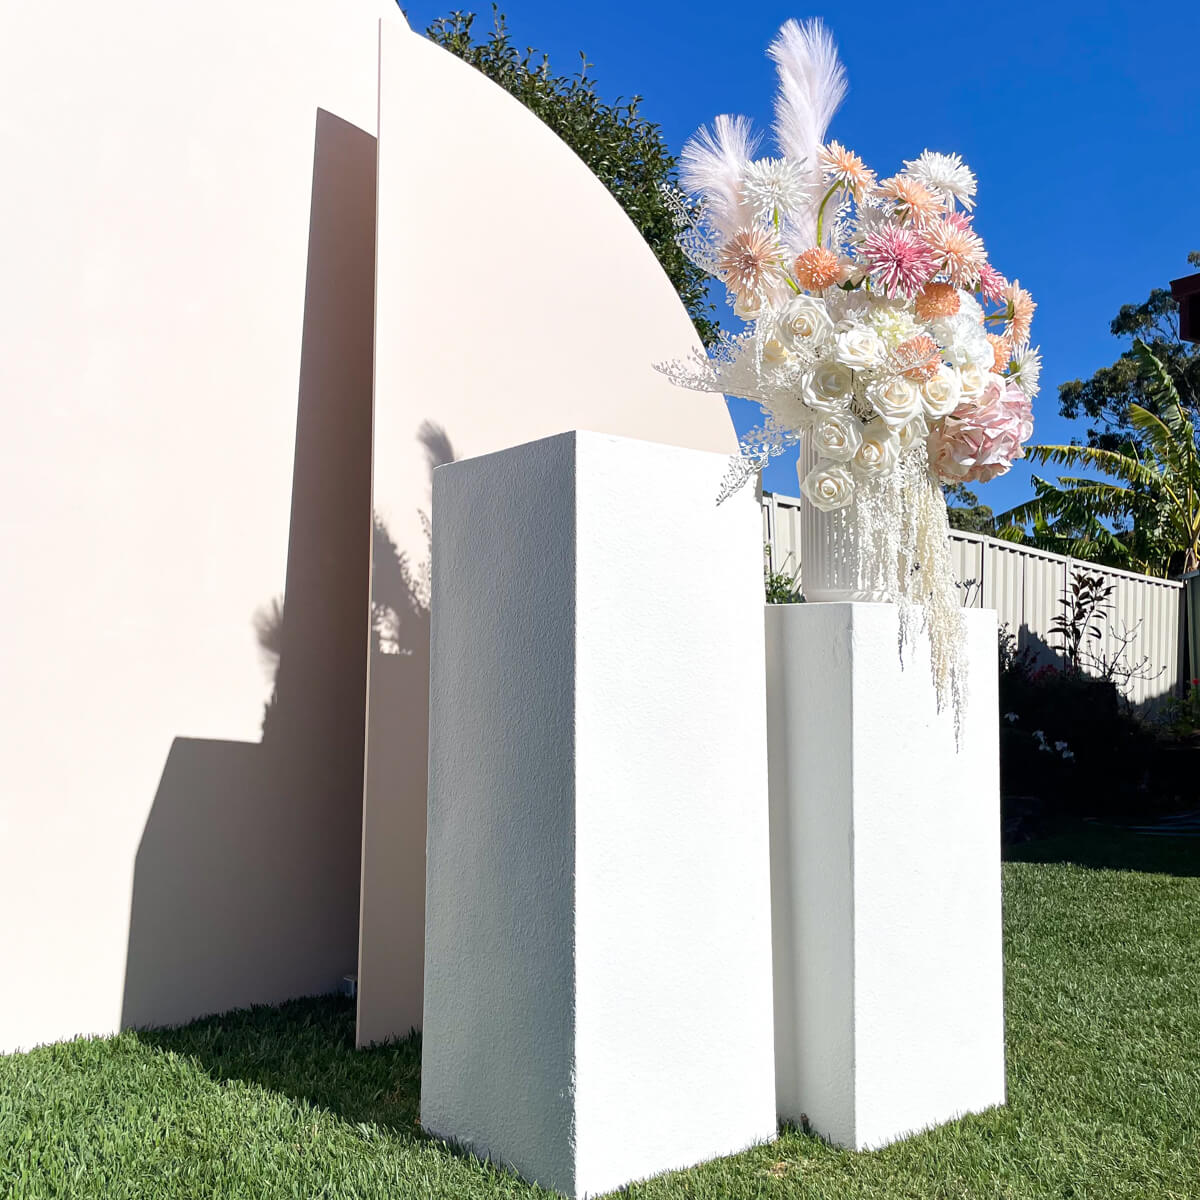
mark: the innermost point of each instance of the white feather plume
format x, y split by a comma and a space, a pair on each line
812, 86
711, 164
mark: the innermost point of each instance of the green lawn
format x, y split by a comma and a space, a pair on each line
1104, 1081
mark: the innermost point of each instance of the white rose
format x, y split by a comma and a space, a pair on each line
940, 395
971, 380
915, 431
806, 321
828, 486
747, 307
896, 400
879, 451
774, 352
859, 347
836, 437
829, 387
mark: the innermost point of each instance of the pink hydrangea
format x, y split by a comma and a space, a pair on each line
984, 437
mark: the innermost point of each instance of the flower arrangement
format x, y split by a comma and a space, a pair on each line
876, 328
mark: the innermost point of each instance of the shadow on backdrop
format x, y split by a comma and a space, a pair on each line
392, 929
246, 879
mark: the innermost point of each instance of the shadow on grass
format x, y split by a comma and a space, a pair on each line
1089, 844
305, 1049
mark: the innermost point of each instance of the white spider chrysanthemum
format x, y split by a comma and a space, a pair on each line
1027, 370
773, 186
944, 174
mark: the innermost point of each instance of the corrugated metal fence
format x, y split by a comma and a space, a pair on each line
1024, 586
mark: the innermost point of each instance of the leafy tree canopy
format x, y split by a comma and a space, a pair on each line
1105, 399
624, 150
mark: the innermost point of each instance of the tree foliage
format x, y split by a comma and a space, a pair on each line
1146, 514
1105, 400
624, 150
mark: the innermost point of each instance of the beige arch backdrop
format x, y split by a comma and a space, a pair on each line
190, 339
514, 300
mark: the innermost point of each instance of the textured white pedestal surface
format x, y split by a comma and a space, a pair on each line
598, 945
885, 876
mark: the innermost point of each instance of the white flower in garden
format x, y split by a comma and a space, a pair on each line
836, 437
1010, 717
830, 387
774, 185
944, 174
879, 452
1027, 370
858, 346
915, 431
828, 486
1060, 746
941, 394
971, 381
806, 320
896, 400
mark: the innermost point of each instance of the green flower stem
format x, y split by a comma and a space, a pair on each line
821, 211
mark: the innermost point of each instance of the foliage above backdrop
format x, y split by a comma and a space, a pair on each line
1105, 399
622, 149
1145, 515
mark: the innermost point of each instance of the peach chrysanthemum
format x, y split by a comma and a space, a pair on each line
1020, 314
912, 198
817, 268
918, 358
959, 251
992, 285
899, 261
1002, 352
749, 262
846, 167
937, 300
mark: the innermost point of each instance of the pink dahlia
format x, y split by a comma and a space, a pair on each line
898, 260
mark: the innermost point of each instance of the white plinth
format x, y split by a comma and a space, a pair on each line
885, 877
597, 956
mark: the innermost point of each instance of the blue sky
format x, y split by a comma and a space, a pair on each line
1082, 122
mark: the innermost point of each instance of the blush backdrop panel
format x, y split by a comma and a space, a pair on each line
185, 374
514, 300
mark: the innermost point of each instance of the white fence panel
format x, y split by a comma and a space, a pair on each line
1025, 586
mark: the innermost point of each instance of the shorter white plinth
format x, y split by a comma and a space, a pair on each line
598, 945
885, 877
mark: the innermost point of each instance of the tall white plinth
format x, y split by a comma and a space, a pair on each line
598, 946
885, 876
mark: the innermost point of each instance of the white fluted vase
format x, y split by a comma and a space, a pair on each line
834, 562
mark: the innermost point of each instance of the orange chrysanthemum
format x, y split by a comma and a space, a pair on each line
846, 167
959, 250
1020, 313
1002, 352
913, 197
937, 300
749, 262
917, 358
817, 269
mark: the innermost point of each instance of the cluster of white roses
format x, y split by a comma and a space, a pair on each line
867, 386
